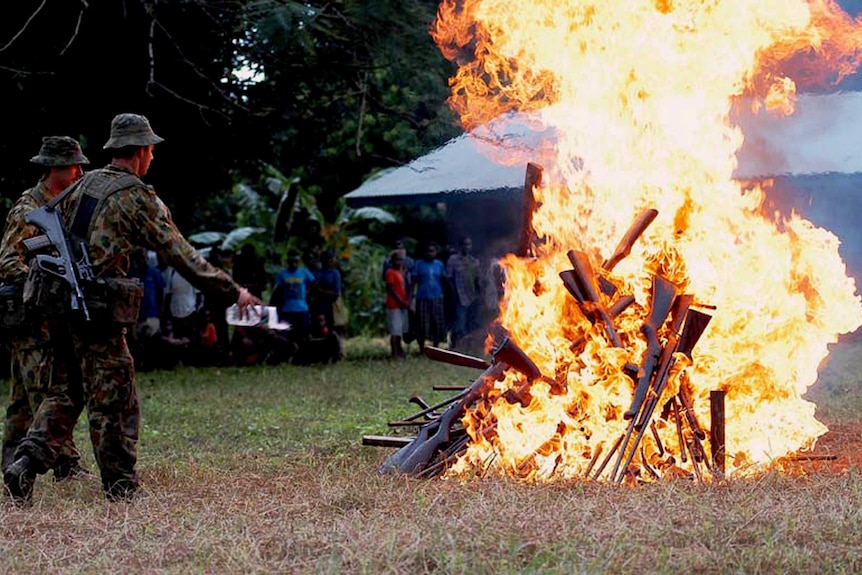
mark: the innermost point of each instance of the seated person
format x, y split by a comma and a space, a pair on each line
172, 349
251, 345
207, 349
322, 345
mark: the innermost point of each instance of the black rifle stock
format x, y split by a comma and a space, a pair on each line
696, 323
63, 265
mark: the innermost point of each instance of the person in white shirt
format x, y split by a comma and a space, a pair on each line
183, 302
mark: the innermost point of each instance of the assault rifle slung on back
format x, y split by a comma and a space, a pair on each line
63, 265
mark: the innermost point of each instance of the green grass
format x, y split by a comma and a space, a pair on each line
262, 471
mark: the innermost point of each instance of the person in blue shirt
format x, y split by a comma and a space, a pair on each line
328, 287
429, 276
143, 336
290, 296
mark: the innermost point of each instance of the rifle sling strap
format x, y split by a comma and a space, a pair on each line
36, 193
59, 197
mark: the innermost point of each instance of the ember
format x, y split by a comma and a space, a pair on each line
608, 382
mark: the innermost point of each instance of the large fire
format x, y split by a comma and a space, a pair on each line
641, 94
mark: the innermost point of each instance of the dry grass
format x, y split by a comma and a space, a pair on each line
262, 471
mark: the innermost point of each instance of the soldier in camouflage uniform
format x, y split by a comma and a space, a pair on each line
115, 212
32, 349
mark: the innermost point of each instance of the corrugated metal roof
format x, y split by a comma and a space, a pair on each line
823, 136
490, 160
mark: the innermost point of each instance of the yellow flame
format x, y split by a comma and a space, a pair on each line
640, 94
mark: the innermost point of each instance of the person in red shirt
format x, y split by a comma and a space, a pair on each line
397, 303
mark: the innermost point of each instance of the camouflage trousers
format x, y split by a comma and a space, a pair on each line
107, 384
31, 373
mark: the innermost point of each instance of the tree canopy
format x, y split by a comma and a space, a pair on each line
327, 92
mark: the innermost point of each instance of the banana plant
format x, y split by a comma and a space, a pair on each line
229, 241
337, 234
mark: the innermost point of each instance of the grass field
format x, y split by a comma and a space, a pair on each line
262, 471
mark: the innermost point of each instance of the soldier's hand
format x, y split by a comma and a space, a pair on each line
245, 300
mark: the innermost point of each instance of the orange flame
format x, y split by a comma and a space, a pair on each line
640, 95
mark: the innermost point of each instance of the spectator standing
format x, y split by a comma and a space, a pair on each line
462, 271
322, 345
173, 348
408, 264
397, 303
449, 296
217, 309
292, 286
429, 277
327, 287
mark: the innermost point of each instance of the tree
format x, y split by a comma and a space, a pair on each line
334, 89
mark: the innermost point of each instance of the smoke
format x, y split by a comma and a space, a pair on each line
822, 136
832, 201
815, 159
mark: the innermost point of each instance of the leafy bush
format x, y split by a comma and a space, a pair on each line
363, 290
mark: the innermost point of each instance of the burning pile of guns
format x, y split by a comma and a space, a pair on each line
671, 327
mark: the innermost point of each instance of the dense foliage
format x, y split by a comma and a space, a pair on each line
327, 92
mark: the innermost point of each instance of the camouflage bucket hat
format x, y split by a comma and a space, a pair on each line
59, 151
131, 130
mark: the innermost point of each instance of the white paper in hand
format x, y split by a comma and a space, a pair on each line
256, 316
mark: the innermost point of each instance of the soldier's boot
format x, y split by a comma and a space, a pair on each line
71, 469
19, 479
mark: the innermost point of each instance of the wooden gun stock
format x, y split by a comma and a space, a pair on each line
618, 307
624, 248
585, 278
695, 324
509, 353
571, 284
532, 178
455, 358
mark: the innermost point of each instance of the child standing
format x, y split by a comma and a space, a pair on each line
397, 303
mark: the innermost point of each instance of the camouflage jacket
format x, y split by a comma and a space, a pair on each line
135, 217
13, 258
